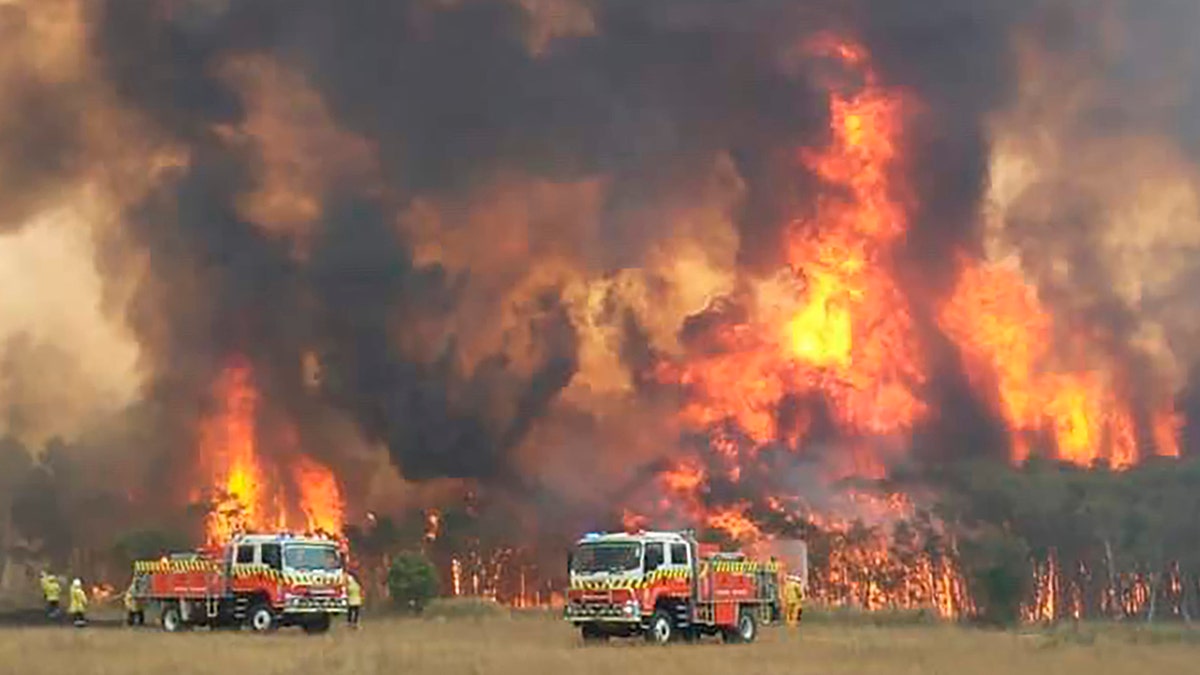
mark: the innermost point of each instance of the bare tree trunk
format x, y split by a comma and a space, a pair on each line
1153, 597
5, 512
1114, 582
1184, 603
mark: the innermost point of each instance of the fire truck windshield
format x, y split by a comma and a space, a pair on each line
311, 557
606, 557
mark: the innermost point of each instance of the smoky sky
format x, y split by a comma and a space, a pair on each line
40, 126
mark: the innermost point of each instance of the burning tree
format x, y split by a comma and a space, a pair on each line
249, 493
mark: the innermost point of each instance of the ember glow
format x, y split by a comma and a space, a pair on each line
250, 492
865, 571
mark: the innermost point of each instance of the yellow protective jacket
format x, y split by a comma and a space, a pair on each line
354, 594
79, 600
51, 589
131, 602
793, 593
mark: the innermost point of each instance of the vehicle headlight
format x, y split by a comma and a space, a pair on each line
631, 608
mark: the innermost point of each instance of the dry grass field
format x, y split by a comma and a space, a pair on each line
533, 645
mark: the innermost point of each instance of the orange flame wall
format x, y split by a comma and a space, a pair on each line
840, 327
1006, 335
846, 332
250, 491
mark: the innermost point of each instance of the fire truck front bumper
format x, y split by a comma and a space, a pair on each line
583, 612
313, 604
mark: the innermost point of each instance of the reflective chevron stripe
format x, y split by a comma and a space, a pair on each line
254, 571
162, 566
728, 566
744, 567
642, 582
314, 578
606, 584
239, 571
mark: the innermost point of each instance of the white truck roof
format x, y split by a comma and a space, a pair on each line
673, 537
280, 539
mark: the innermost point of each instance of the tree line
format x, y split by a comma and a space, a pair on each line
1049, 540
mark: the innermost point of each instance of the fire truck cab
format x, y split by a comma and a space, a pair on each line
263, 581
666, 586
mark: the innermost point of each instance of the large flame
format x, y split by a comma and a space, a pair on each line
250, 493
837, 326
852, 338
836, 323
1006, 335
320, 496
227, 448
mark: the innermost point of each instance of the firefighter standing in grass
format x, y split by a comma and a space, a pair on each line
354, 600
793, 600
135, 614
52, 592
79, 603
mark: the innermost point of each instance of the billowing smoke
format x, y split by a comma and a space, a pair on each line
477, 237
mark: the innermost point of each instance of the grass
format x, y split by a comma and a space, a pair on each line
534, 643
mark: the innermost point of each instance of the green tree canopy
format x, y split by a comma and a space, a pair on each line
412, 581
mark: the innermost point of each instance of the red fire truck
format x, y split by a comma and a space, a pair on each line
263, 581
666, 586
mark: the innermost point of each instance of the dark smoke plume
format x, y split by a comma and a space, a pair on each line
41, 123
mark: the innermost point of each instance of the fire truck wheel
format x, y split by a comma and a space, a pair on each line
262, 619
171, 620
662, 628
744, 632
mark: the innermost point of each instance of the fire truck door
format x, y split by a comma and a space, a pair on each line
678, 560
679, 572
272, 556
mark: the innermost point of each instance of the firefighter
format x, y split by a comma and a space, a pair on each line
52, 592
793, 600
354, 600
79, 603
135, 614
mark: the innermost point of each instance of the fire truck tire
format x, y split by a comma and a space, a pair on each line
662, 628
745, 631
262, 619
171, 620
318, 624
